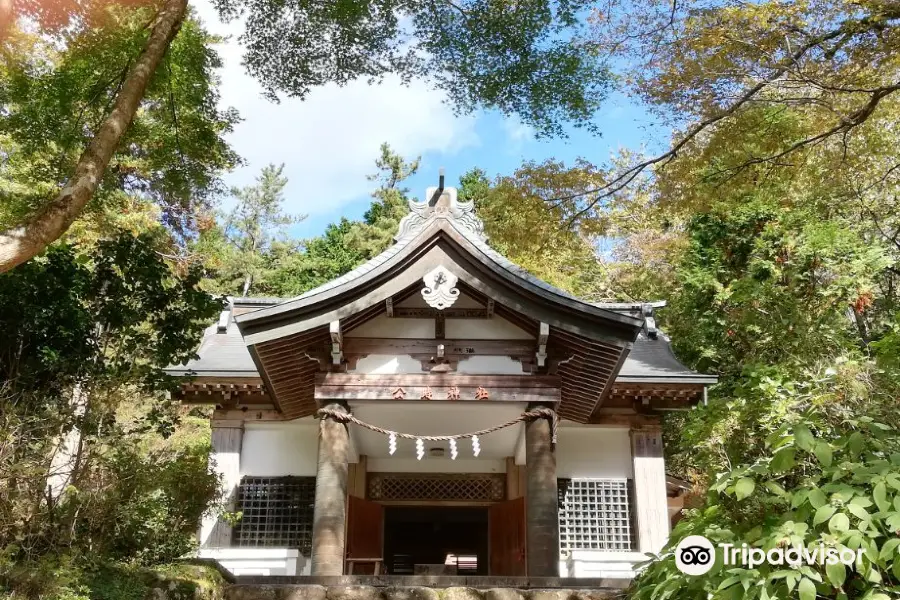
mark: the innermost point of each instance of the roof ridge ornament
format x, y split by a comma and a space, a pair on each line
441, 203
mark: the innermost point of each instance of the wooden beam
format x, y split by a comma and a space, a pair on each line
434, 393
540, 382
356, 482
226, 439
247, 415
453, 347
628, 419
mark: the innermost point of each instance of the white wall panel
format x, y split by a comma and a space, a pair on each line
593, 452
275, 449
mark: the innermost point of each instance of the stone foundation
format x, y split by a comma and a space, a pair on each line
286, 591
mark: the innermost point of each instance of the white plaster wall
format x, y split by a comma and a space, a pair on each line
276, 449
437, 465
496, 328
490, 365
611, 565
603, 453
390, 364
387, 364
593, 452
383, 326
259, 561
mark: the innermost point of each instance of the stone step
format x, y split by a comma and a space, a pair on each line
295, 591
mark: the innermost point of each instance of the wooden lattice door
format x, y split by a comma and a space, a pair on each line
365, 532
506, 534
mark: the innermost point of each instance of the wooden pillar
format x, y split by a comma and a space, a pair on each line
330, 514
541, 499
356, 477
225, 459
650, 502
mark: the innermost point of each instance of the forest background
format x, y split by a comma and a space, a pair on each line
770, 225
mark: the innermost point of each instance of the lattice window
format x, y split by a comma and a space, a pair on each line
416, 486
277, 511
595, 514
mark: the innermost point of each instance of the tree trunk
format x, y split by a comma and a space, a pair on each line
23, 242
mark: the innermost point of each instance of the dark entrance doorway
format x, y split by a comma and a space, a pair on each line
419, 539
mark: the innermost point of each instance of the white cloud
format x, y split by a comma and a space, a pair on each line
329, 141
516, 131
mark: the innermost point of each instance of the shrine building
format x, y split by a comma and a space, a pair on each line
439, 411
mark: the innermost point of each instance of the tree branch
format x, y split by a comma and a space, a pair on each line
23, 242
779, 70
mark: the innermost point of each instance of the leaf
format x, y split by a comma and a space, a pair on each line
817, 498
856, 443
807, 589
823, 514
744, 487
775, 488
823, 453
804, 437
783, 460
889, 549
893, 521
799, 498
836, 573
863, 501
728, 583
839, 523
859, 512
880, 495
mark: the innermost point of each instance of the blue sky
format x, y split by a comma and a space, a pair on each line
329, 142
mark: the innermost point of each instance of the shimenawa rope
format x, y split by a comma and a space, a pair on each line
536, 413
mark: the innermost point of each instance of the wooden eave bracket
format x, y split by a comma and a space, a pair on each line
543, 336
337, 343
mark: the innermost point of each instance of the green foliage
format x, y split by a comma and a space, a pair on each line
826, 474
769, 285
240, 247
54, 92
285, 268
527, 59
86, 336
61, 580
114, 313
533, 232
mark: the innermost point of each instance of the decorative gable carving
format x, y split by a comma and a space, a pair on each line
440, 290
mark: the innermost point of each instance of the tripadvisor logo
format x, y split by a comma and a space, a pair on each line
696, 555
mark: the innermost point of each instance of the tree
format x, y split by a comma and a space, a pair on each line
829, 475
104, 321
169, 165
525, 59
345, 244
250, 229
704, 67
556, 242
25, 241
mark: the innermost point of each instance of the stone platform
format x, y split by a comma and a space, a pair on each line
424, 587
